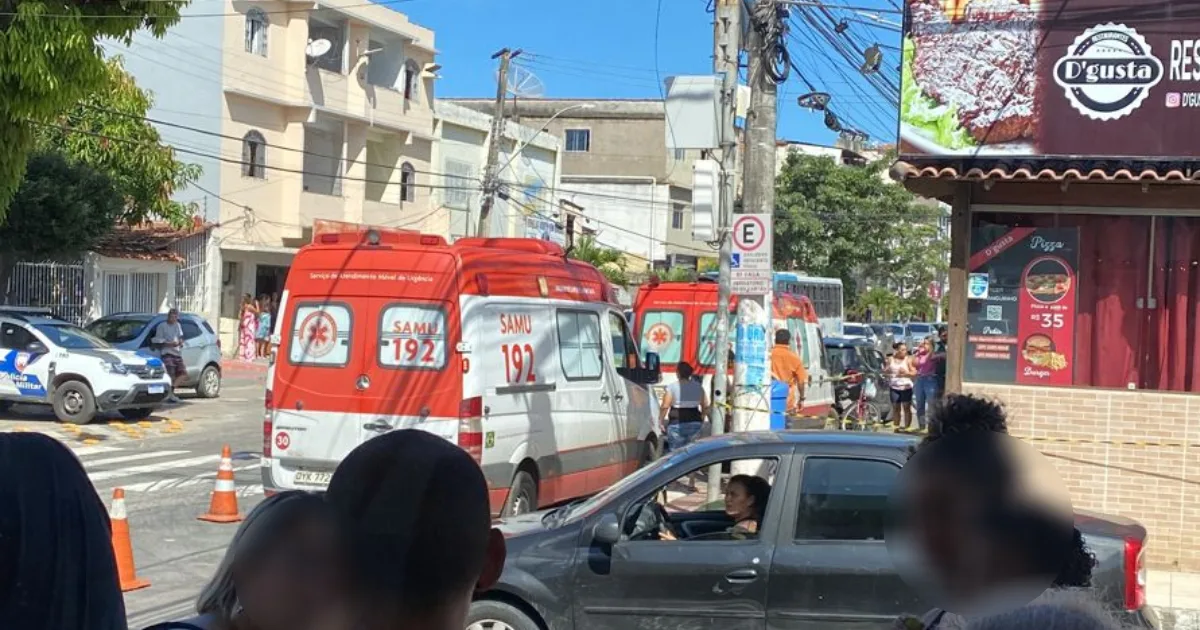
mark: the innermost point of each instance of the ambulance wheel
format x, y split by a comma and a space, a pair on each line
522, 497
74, 403
492, 615
649, 451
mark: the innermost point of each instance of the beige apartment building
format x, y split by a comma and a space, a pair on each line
635, 193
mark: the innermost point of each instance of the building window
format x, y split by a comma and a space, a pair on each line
412, 75
458, 190
579, 140
254, 155
256, 32
680, 155
408, 182
676, 217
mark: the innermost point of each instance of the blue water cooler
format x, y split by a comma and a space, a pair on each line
779, 398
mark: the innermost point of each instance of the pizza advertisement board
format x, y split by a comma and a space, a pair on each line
1050, 78
1022, 330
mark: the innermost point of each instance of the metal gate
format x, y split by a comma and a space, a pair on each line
132, 292
191, 279
54, 285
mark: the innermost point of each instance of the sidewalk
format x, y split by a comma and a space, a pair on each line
238, 366
1176, 596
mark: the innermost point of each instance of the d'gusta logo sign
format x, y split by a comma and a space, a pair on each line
1108, 71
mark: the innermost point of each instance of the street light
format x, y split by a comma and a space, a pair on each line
521, 147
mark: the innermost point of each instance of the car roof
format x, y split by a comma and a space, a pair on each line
848, 438
847, 341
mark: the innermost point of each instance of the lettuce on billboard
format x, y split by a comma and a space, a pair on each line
1050, 78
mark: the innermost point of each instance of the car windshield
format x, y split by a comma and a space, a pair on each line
596, 501
920, 329
841, 358
118, 330
897, 329
71, 337
854, 330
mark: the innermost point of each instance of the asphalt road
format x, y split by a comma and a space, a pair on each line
167, 466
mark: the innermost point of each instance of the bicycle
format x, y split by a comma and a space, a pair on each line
860, 414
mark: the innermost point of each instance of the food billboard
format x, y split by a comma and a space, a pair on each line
1050, 78
1021, 321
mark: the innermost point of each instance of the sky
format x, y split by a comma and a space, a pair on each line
624, 48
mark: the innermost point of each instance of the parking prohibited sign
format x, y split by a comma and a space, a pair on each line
751, 275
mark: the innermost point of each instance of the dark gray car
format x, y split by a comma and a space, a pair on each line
586, 566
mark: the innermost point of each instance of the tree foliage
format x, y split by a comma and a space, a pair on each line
65, 208
50, 59
107, 130
852, 223
609, 261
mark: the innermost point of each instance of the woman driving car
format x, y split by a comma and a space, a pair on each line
746, 499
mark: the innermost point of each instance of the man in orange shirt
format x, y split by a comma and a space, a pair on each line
787, 367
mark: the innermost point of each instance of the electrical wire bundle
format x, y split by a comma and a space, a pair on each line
770, 20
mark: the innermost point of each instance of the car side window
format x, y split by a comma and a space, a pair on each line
745, 490
13, 337
625, 352
843, 498
190, 329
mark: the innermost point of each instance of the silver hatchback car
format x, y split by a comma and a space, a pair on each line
201, 346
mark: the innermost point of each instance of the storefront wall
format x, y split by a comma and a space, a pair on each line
1123, 421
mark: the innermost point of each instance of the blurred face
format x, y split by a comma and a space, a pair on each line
901, 351
738, 502
298, 579
926, 346
947, 525
172, 316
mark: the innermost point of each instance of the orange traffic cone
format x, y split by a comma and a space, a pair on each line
122, 547
223, 507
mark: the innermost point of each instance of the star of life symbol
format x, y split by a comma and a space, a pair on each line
318, 334
659, 335
1108, 71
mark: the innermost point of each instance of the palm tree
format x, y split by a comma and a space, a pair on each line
609, 261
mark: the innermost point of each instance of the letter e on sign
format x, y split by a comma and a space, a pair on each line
749, 232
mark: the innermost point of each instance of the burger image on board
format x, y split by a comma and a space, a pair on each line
1039, 351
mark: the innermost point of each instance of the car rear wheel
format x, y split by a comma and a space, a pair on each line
491, 615
139, 413
74, 403
522, 498
209, 385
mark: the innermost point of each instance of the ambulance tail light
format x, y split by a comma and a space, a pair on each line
328, 239
268, 423
470, 427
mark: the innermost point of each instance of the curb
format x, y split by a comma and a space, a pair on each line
235, 366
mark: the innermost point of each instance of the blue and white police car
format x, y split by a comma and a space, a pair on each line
44, 360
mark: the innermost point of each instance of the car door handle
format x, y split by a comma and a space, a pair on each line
742, 576
378, 425
620, 397
604, 398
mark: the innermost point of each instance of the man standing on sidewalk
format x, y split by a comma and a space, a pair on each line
787, 368
168, 338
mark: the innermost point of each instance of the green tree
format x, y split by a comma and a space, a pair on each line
65, 208
852, 223
609, 261
50, 59
107, 130
678, 274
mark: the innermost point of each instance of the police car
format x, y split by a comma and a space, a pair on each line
44, 360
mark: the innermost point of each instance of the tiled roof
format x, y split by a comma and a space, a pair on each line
1051, 170
149, 241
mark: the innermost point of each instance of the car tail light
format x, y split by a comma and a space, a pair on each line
470, 427
1135, 573
268, 423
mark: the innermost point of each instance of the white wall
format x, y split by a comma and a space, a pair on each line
635, 224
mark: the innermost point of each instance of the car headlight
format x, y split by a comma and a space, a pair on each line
116, 368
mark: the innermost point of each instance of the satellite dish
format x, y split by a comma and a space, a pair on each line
317, 48
522, 82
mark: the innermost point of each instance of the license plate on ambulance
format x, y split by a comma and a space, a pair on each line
315, 478
156, 389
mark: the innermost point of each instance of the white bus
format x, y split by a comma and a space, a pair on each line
825, 294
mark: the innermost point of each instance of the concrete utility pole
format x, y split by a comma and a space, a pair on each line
727, 34
490, 185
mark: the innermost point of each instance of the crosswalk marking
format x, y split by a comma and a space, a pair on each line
134, 457
184, 482
84, 451
152, 468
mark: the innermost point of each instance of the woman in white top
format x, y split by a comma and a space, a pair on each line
900, 371
683, 408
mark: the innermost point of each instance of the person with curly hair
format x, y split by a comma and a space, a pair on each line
986, 545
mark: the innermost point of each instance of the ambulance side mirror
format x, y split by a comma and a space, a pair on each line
652, 373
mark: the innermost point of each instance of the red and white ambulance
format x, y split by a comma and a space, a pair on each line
678, 322
503, 346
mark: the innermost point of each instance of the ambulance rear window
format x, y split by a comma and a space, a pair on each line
662, 332
320, 335
412, 337
706, 354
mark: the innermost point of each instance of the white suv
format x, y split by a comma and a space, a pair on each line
44, 360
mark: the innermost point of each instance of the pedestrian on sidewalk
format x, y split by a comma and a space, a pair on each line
281, 569
900, 373
788, 368
683, 407
57, 569
168, 338
247, 330
418, 527
263, 331
925, 389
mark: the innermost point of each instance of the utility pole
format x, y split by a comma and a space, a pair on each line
727, 35
490, 183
